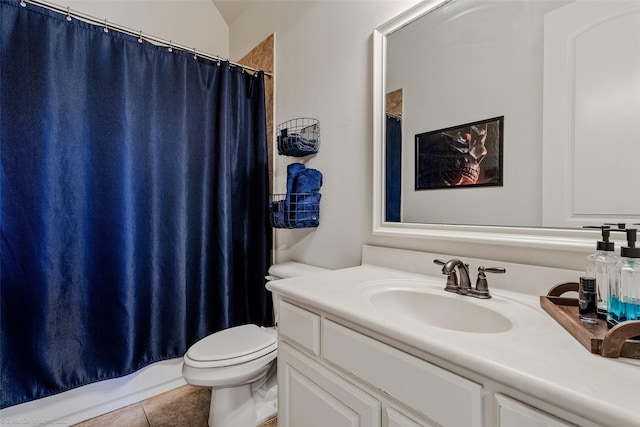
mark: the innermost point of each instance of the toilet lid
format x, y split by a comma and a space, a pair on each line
237, 342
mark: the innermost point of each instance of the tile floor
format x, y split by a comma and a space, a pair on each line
186, 406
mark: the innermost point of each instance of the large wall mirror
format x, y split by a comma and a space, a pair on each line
562, 76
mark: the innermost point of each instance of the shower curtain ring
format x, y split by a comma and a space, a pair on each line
140, 40
23, 3
69, 14
170, 46
195, 54
106, 26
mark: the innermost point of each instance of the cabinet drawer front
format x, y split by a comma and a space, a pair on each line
396, 419
512, 413
446, 398
300, 326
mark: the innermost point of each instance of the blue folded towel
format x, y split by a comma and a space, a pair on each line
278, 216
307, 181
303, 180
302, 202
297, 146
304, 210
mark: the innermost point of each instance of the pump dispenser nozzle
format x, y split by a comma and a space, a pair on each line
630, 251
604, 244
619, 225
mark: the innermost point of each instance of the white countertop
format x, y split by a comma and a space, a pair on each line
536, 356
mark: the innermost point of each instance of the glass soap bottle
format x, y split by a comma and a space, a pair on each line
625, 301
587, 306
600, 266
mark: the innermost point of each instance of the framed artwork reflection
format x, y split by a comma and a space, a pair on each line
461, 156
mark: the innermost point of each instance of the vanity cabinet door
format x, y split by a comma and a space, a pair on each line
512, 413
309, 395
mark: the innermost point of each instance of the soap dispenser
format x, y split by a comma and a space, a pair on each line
600, 266
624, 301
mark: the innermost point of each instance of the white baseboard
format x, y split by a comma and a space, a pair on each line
83, 403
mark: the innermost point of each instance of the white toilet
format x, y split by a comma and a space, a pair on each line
239, 365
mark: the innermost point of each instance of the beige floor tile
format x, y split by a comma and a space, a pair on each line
273, 422
131, 416
184, 406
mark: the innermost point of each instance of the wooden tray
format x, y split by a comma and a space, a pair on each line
597, 338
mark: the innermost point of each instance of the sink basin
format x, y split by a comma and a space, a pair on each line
454, 312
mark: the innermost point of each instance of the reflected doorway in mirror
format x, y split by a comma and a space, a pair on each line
461, 156
393, 156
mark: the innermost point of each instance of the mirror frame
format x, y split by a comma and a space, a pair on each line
530, 237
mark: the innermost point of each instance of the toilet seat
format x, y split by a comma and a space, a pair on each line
231, 346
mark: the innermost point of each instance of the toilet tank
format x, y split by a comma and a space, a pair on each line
290, 269
286, 270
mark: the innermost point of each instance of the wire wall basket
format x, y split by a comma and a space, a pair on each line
295, 210
298, 137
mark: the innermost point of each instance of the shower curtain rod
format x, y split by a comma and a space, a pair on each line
141, 36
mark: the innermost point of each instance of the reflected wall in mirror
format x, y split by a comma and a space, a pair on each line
566, 77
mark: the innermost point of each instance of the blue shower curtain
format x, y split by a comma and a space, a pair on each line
133, 202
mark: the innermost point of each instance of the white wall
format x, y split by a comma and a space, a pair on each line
324, 70
192, 23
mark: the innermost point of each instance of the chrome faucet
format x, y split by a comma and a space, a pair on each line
448, 268
464, 286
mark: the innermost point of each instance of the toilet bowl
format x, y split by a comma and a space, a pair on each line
235, 363
239, 364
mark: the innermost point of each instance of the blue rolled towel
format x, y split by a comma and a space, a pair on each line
292, 171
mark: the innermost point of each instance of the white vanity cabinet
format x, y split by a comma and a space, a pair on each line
354, 380
332, 375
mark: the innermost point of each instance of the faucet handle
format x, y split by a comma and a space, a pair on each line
498, 270
482, 287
